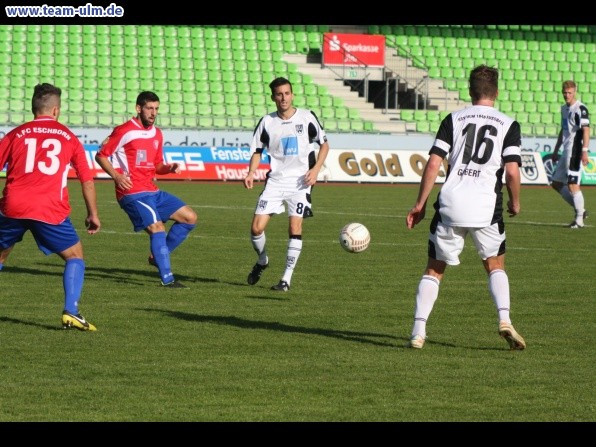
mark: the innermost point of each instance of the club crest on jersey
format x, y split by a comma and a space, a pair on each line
299, 129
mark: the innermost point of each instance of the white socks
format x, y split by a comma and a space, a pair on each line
428, 291
498, 286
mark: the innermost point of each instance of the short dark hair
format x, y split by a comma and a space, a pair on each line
145, 97
484, 82
45, 96
278, 82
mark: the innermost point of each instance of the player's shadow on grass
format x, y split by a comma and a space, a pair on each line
372, 338
33, 271
121, 275
29, 323
360, 337
92, 273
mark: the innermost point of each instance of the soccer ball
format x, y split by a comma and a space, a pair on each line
354, 237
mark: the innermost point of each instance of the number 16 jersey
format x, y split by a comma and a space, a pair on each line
478, 141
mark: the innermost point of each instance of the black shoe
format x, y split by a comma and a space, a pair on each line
255, 274
586, 214
174, 285
281, 286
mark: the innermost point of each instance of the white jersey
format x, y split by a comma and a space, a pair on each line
573, 119
479, 140
290, 145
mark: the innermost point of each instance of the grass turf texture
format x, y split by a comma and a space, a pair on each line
330, 349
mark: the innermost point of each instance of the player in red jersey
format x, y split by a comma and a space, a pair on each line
135, 149
35, 198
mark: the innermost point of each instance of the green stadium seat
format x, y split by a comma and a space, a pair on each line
357, 126
547, 118
193, 109
201, 109
205, 122
330, 125
218, 109
423, 126
176, 121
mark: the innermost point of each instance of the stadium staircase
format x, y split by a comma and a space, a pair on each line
336, 87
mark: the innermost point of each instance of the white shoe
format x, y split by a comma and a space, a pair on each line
417, 342
516, 342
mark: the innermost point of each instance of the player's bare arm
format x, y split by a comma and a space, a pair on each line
429, 176
253, 165
312, 174
92, 222
513, 184
167, 168
122, 181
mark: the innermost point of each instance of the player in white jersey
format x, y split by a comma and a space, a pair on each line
574, 136
290, 136
480, 144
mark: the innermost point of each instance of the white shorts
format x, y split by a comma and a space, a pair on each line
271, 201
447, 243
562, 172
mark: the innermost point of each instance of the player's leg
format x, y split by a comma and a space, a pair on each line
63, 240
258, 240
560, 177
270, 202
299, 208
143, 214
490, 245
4, 255
11, 232
578, 201
293, 253
184, 217
445, 245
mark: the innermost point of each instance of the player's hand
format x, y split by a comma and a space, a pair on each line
513, 209
123, 181
311, 177
414, 217
93, 224
249, 181
175, 168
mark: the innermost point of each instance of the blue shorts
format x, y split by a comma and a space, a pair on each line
50, 238
146, 208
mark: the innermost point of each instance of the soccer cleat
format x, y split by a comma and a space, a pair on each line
174, 285
513, 338
574, 224
76, 321
417, 342
586, 214
281, 286
151, 261
255, 274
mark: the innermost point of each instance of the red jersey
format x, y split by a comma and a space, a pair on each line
136, 152
39, 154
